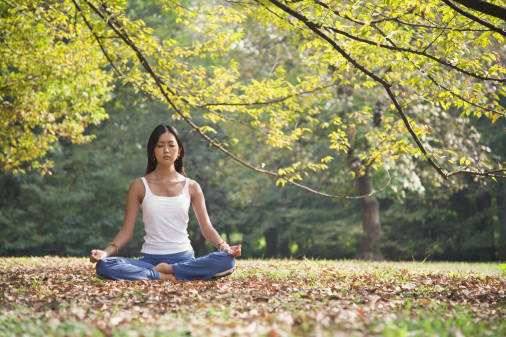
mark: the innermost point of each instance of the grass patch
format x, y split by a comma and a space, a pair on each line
442, 322
52, 296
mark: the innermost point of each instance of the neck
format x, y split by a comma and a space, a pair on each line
165, 172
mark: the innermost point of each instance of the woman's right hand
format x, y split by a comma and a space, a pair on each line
235, 250
97, 255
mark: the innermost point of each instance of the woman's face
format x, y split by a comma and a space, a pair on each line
166, 150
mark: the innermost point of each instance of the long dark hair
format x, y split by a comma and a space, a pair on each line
153, 140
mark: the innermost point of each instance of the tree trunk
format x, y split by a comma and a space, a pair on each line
271, 241
501, 210
369, 248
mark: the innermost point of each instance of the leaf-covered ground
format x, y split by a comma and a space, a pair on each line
51, 296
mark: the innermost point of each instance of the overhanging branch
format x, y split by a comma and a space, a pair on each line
473, 17
485, 8
120, 31
387, 86
268, 102
102, 47
399, 21
435, 82
501, 173
422, 53
416, 52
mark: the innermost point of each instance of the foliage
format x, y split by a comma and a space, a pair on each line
393, 52
54, 84
321, 106
311, 68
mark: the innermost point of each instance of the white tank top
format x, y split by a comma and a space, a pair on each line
165, 221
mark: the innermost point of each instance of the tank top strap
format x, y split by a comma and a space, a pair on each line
186, 188
146, 186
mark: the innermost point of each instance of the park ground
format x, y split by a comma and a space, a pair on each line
54, 296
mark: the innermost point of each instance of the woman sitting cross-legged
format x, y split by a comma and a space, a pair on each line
165, 195
167, 271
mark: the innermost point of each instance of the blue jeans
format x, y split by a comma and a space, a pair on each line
184, 264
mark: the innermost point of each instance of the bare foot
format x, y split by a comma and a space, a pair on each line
164, 268
167, 277
165, 271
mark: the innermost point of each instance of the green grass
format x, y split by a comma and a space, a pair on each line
52, 296
442, 322
502, 267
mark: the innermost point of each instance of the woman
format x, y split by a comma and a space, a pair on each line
165, 195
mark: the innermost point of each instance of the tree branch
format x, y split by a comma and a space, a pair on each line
399, 21
120, 31
90, 27
433, 80
401, 49
474, 18
272, 101
485, 8
491, 173
116, 26
439, 35
416, 52
387, 86
312, 26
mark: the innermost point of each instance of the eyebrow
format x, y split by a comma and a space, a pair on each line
169, 141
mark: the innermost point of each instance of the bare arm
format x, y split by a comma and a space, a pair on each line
200, 210
125, 234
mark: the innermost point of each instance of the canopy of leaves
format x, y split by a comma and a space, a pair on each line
270, 69
52, 82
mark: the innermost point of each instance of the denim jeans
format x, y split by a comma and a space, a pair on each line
184, 265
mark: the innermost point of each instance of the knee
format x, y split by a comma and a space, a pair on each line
231, 262
102, 267
228, 261
99, 267
225, 265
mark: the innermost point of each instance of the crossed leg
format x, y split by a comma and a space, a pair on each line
166, 272
212, 265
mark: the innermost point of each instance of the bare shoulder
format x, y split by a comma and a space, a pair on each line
137, 188
194, 187
137, 184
